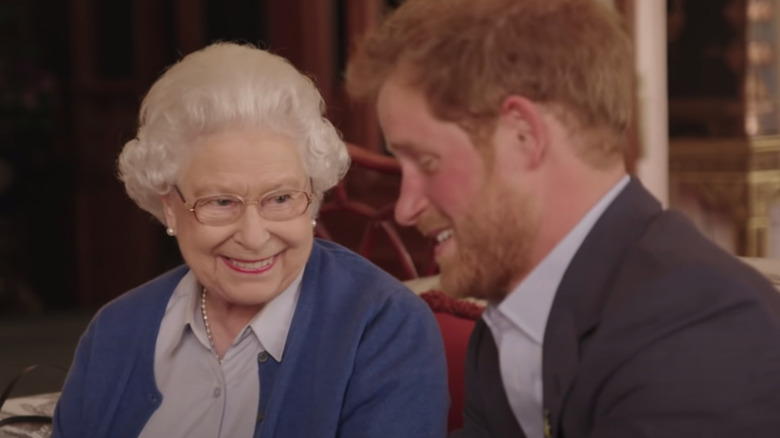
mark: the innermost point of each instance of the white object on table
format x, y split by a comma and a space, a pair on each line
39, 404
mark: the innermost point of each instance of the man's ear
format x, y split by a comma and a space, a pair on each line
527, 128
168, 209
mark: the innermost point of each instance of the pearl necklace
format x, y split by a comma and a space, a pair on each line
206, 323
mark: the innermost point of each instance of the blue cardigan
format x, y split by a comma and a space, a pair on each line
364, 358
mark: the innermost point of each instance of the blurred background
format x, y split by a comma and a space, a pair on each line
73, 73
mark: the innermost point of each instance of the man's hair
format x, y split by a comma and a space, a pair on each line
467, 56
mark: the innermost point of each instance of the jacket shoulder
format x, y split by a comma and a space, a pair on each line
349, 273
145, 301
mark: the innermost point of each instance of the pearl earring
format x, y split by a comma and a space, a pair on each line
170, 231
313, 223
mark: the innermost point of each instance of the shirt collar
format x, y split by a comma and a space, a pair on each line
182, 305
528, 305
270, 325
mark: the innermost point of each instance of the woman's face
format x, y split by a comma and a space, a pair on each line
253, 260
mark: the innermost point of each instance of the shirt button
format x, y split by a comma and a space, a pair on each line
262, 357
260, 417
217, 392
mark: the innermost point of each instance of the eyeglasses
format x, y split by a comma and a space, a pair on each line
280, 205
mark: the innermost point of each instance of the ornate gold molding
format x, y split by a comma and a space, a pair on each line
740, 176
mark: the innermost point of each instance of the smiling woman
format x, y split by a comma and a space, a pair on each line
248, 261
264, 325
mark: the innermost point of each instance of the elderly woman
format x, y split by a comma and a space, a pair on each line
265, 331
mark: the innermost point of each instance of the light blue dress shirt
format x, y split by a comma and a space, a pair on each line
201, 396
519, 321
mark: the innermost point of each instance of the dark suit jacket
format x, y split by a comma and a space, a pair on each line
654, 332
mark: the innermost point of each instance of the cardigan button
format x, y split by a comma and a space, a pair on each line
153, 397
260, 416
262, 357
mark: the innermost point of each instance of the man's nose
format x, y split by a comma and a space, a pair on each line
411, 201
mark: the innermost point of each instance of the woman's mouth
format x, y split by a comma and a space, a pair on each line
256, 266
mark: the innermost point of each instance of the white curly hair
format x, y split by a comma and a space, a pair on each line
220, 86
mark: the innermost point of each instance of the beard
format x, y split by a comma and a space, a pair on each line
493, 246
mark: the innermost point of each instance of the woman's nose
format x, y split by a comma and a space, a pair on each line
252, 229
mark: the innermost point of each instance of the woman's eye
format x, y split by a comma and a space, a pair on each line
281, 198
220, 202
224, 202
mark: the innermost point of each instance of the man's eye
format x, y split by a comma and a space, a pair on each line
428, 164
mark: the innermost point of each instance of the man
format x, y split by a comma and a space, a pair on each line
608, 316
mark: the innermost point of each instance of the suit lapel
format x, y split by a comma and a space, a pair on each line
584, 291
486, 410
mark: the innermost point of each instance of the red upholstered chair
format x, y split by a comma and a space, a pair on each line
456, 320
358, 213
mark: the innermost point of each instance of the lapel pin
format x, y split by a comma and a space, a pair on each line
547, 427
